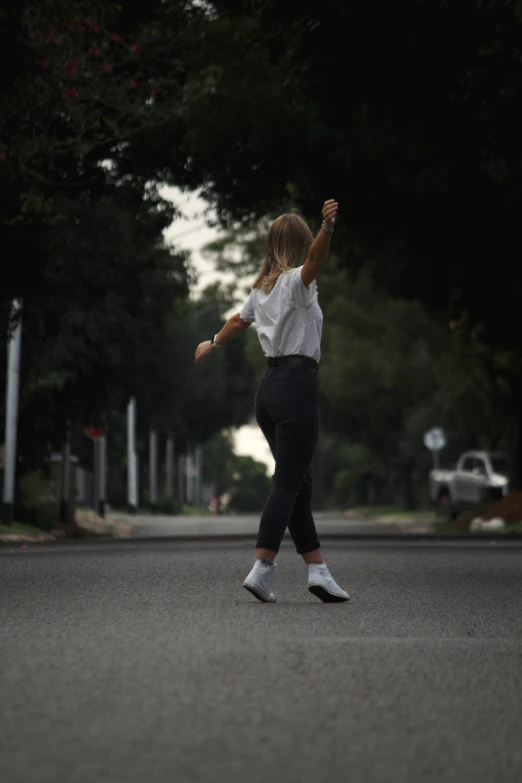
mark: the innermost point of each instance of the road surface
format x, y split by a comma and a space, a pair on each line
328, 523
146, 662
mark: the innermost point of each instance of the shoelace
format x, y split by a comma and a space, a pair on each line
262, 562
328, 578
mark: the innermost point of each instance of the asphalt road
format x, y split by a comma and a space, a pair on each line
145, 661
328, 524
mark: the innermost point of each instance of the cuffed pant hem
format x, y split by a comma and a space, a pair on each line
304, 550
263, 544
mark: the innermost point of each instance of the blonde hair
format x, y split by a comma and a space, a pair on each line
288, 245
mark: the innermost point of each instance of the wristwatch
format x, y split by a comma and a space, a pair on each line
326, 229
214, 343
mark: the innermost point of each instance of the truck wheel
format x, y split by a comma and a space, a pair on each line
444, 510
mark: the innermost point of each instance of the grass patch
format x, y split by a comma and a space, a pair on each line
185, 511
21, 529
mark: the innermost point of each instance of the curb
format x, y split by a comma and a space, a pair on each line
18, 538
399, 538
7, 539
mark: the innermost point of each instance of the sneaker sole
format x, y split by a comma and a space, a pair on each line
328, 598
257, 594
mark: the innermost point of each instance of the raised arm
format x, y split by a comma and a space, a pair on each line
320, 246
233, 328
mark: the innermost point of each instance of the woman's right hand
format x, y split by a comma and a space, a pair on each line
330, 209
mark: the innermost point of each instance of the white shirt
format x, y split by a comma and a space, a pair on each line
288, 319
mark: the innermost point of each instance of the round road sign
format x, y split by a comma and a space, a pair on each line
434, 439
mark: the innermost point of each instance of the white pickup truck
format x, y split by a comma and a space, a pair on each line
480, 477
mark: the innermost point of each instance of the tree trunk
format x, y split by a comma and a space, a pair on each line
407, 485
391, 484
370, 488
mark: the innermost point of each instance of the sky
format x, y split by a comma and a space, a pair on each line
191, 233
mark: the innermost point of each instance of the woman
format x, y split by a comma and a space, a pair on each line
284, 306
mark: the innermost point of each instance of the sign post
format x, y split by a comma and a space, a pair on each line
96, 431
435, 440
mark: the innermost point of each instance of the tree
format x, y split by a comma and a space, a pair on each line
251, 485
409, 116
389, 371
401, 373
84, 81
218, 459
106, 310
115, 321
85, 77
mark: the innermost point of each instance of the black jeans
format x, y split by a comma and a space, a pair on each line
287, 411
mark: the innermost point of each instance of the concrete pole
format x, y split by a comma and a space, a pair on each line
137, 474
169, 468
11, 416
132, 461
66, 478
102, 475
153, 470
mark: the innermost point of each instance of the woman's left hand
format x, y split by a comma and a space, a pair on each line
202, 351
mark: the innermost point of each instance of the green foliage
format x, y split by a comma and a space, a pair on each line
84, 78
20, 529
218, 462
389, 371
413, 124
361, 467
217, 394
240, 249
243, 478
106, 312
164, 505
251, 485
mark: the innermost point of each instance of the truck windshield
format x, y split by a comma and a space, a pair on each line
499, 464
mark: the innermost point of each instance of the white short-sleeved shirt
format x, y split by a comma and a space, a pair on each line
288, 319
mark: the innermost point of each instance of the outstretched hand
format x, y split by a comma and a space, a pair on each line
330, 209
202, 351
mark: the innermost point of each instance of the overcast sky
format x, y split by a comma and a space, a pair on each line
192, 233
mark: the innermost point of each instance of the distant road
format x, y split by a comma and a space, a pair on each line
328, 523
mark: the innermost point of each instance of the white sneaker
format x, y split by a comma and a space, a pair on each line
322, 584
259, 580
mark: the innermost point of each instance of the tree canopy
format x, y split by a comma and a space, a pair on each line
106, 303
406, 114
409, 116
